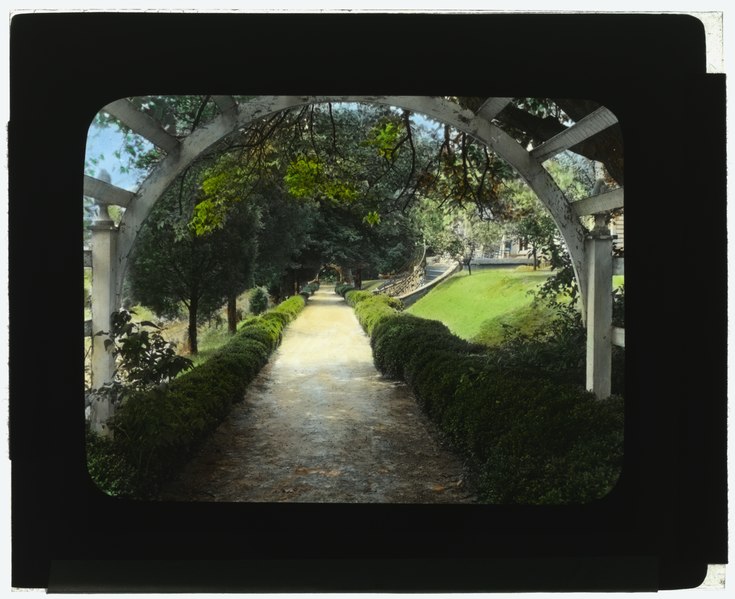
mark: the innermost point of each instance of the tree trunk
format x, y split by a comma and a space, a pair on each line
232, 314
193, 308
358, 278
535, 263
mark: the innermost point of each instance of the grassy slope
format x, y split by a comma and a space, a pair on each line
473, 306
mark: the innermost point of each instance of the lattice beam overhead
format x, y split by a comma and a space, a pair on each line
492, 107
142, 124
603, 202
586, 127
106, 194
440, 109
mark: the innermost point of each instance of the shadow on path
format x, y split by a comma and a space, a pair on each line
320, 424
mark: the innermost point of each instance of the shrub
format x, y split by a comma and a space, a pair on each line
577, 463
371, 310
258, 301
557, 352
144, 359
107, 468
526, 435
355, 296
342, 288
291, 307
156, 432
310, 288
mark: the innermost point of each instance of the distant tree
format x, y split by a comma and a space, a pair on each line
458, 232
330, 183
258, 300
535, 228
344, 239
174, 263
287, 231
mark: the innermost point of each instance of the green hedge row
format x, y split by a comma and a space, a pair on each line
342, 288
525, 438
156, 432
309, 289
371, 309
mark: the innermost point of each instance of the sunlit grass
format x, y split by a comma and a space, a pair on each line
468, 304
211, 338
526, 319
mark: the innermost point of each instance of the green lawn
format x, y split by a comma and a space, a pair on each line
474, 306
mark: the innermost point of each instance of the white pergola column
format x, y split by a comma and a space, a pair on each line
599, 309
104, 261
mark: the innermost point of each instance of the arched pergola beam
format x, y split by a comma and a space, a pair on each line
225, 104
537, 178
142, 124
171, 166
477, 126
106, 194
586, 127
492, 107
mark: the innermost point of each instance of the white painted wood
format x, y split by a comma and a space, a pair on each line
104, 258
604, 202
142, 124
106, 194
225, 104
593, 123
618, 266
618, 336
477, 126
104, 302
492, 107
599, 316
435, 107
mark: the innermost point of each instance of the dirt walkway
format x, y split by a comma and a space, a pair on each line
320, 424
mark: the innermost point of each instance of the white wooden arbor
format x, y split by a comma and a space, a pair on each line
590, 250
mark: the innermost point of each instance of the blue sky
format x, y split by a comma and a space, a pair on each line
102, 143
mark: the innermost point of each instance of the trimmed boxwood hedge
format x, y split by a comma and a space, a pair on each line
155, 433
371, 309
309, 289
525, 438
342, 288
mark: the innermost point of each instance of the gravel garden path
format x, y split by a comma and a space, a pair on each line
320, 424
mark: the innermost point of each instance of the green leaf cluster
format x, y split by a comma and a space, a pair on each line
384, 138
144, 359
309, 178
